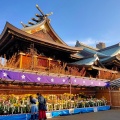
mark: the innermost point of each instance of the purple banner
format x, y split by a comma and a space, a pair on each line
49, 79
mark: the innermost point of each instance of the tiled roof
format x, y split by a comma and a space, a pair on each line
112, 50
106, 54
89, 52
110, 58
79, 44
87, 61
115, 82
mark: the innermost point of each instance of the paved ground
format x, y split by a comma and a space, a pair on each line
101, 115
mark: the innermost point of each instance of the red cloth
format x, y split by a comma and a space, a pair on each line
42, 115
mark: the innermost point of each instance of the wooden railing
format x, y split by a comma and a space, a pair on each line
108, 75
44, 64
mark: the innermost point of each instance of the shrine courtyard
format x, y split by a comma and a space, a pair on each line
113, 114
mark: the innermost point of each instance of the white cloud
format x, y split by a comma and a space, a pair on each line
88, 41
71, 42
91, 41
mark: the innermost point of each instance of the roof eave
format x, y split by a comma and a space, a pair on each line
19, 33
104, 69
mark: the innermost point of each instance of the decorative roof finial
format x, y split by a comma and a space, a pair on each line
40, 10
49, 14
36, 20
29, 22
24, 25
40, 17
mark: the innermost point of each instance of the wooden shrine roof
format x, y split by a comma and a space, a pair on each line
107, 56
10, 30
44, 30
111, 50
90, 62
86, 61
113, 60
39, 32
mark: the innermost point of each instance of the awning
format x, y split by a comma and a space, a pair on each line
18, 76
115, 82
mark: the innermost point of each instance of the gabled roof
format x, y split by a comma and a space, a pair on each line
41, 27
112, 60
90, 62
40, 32
80, 44
11, 30
112, 50
86, 61
88, 51
44, 29
117, 57
107, 56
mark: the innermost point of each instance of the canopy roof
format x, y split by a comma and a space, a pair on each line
51, 79
115, 82
108, 56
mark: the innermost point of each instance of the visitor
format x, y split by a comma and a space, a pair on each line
34, 108
41, 107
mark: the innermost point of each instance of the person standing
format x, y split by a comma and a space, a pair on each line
34, 108
41, 107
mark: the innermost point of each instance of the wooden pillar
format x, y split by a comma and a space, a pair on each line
35, 61
21, 60
110, 96
49, 59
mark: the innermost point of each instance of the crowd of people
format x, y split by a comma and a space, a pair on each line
38, 112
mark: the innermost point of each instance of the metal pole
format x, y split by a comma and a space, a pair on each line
70, 91
70, 86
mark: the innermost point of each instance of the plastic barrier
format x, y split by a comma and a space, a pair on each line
56, 113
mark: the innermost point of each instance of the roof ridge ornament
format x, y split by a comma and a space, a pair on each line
40, 10
40, 17
43, 16
24, 25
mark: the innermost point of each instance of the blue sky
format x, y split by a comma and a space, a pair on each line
88, 21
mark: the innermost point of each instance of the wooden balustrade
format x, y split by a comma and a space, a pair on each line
44, 64
107, 75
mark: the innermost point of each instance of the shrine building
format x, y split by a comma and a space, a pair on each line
36, 59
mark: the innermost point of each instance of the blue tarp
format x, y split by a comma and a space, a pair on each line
60, 112
56, 113
15, 117
79, 110
83, 110
102, 108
